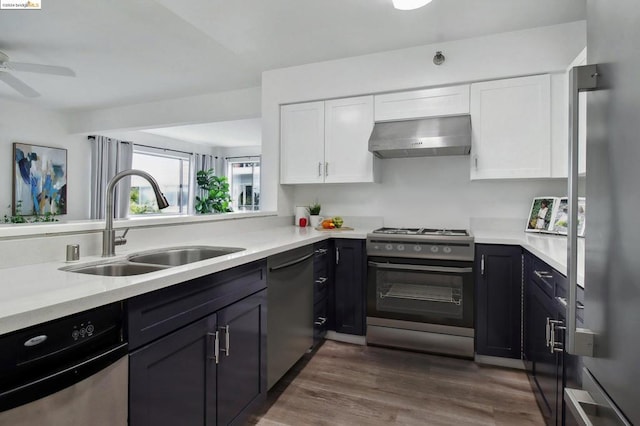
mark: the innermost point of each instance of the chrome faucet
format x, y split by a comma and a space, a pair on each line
109, 239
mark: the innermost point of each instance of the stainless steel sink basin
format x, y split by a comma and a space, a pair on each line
150, 261
115, 269
177, 256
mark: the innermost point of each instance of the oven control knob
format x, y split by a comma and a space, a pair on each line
389, 247
417, 247
400, 247
434, 249
447, 250
75, 334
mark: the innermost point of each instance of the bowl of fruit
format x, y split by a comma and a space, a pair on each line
335, 222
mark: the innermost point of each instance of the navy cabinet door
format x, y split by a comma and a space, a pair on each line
498, 300
242, 384
349, 286
172, 380
546, 367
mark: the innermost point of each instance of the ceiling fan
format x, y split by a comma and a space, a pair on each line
6, 66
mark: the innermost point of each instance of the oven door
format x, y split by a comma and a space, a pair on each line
417, 290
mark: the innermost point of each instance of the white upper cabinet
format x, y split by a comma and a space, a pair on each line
347, 127
327, 141
511, 128
302, 143
441, 101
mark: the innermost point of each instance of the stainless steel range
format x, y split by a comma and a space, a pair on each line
420, 290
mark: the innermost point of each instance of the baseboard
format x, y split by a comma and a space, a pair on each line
346, 338
500, 362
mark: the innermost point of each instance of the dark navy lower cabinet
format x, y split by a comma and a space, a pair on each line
322, 281
498, 300
211, 371
349, 289
242, 362
170, 379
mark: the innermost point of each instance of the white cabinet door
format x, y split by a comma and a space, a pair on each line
511, 128
302, 143
348, 125
422, 103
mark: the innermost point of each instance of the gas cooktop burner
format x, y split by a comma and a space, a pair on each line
421, 243
422, 231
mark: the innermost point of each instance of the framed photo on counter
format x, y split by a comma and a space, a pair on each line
542, 214
561, 219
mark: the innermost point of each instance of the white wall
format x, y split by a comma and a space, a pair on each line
429, 191
20, 122
433, 182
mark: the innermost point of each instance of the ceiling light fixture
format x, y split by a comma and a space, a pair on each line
410, 4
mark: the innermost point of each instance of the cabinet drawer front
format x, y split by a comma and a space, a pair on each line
155, 314
422, 103
543, 275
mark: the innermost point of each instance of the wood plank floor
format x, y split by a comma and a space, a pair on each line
344, 384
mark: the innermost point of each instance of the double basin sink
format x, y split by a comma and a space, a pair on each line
155, 260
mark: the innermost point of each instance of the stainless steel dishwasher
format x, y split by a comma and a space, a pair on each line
289, 310
72, 371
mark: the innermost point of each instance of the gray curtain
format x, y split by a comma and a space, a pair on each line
109, 157
199, 162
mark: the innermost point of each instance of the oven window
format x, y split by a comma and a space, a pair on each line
419, 293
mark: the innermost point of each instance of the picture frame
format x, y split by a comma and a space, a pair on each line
542, 214
39, 180
561, 218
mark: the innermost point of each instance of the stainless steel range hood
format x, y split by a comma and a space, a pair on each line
421, 138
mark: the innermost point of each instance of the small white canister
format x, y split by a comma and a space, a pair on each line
301, 212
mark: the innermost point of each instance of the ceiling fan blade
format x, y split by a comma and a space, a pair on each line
42, 69
18, 85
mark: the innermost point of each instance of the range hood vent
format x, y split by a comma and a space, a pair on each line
422, 138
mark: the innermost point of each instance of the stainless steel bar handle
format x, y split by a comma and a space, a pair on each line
547, 331
482, 265
543, 274
420, 268
293, 262
553, 325
321, 280
321, 321
216, 346
326, 168
226, 339
319, 169
338, 256
582, 78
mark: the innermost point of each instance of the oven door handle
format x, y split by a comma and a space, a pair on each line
403, 267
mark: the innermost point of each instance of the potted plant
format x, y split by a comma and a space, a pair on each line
216, 198
314, 214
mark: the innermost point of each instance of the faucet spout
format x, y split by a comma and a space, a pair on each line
109, 234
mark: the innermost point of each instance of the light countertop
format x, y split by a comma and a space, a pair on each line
37, 293
552, 249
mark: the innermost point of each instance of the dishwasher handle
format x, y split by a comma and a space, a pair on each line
291, 263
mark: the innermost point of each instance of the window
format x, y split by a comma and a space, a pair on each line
171, 171
244, 183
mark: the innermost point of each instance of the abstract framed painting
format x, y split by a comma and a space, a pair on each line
39, 180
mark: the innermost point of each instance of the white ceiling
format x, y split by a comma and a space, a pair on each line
223, 134
133, 51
